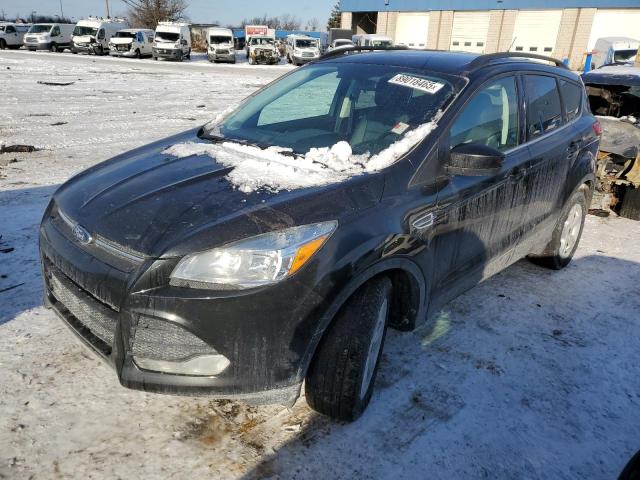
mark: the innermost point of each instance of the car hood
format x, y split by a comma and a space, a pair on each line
121, 40
83, 38
163, 206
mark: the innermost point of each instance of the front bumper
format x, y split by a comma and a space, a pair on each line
122, 53
222, 57
265, 333
304, 59
38, 46
83, 47
174, 54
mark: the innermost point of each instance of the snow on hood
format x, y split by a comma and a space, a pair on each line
121, 40
277, 168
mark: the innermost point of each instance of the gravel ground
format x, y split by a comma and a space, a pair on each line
533, 374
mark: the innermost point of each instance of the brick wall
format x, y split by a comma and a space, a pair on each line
440, 27
346, 20
387, 22
573, 37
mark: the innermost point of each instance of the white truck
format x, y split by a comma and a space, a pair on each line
253, 30
614, 50
220, 45
172, 41
262, 49
302, 49
372, 40
12, 34
132, 42
49, 36
93, 34
340, 43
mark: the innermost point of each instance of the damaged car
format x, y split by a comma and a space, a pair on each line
614, 97
274, 246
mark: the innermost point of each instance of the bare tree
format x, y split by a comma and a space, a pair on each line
335, 18
312, 24
283, 22
147, 13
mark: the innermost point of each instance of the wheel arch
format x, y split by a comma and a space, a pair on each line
408, 302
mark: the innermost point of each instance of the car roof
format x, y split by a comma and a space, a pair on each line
448, 62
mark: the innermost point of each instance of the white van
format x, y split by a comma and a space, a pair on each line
49, 36
221, 47
372, 40
302, 49
12, 34
92, 35
614, 50
173, 40
132, 42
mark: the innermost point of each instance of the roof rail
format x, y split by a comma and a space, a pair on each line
482, 60
340, 51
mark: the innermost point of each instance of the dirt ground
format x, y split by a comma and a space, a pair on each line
533, 374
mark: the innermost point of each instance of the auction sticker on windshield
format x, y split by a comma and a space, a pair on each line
418, 83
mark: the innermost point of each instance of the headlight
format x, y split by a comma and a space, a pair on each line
255, 261
296, 52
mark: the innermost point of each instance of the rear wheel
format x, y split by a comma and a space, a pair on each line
3, 44
341, 376
566, 236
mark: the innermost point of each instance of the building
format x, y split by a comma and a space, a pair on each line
565, 29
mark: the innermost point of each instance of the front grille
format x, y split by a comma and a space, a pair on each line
96, 317
222, 52
159, 340
123, 48
30, 39
307, 54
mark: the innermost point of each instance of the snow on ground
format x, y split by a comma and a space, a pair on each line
533, 374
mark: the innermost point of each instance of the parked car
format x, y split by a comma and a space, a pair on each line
172, 41
262, 50
302, 49
614, 96
340, 43
49, 36
220, 45
372, 40
614, 50
12, 34
277, 243
132, 42
93, 34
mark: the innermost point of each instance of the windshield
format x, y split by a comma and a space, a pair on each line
339, 43
40, 28
217, 39
167, 36
262, 41
381, 43
624, 56
368, 106
125, 35
79, 30
305, 43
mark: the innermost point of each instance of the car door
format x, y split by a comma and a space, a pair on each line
479, 217
552, 145
11, 35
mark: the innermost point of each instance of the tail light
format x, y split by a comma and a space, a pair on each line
597, 128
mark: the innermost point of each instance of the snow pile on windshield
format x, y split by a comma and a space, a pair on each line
277, 168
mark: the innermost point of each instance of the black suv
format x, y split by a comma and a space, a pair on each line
276, 244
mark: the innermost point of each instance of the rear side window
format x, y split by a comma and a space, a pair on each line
544, 112
572, 96
10, 29
490, 117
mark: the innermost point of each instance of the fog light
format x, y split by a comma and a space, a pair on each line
201, 365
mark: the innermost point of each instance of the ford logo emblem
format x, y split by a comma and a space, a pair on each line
82, 235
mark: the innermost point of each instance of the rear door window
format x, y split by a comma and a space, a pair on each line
572, 96
490, 117
544, 111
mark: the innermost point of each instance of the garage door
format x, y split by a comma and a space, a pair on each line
412, 29
615, 23
469, 32
536, 31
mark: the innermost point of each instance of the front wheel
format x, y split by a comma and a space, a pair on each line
3, 44
340, 379
138, 54
566, 236
53, 48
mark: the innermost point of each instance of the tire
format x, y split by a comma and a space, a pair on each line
251, 61
138, 54
566, 235
53, 48
341, 376
3, 44
188, 56
155, 58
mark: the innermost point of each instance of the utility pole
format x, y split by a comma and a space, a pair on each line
107, 2
61, 12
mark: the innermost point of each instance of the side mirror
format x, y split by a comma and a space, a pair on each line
474, 160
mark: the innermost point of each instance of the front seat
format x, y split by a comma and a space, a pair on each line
391, 102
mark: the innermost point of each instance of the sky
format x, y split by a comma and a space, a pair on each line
200, 11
